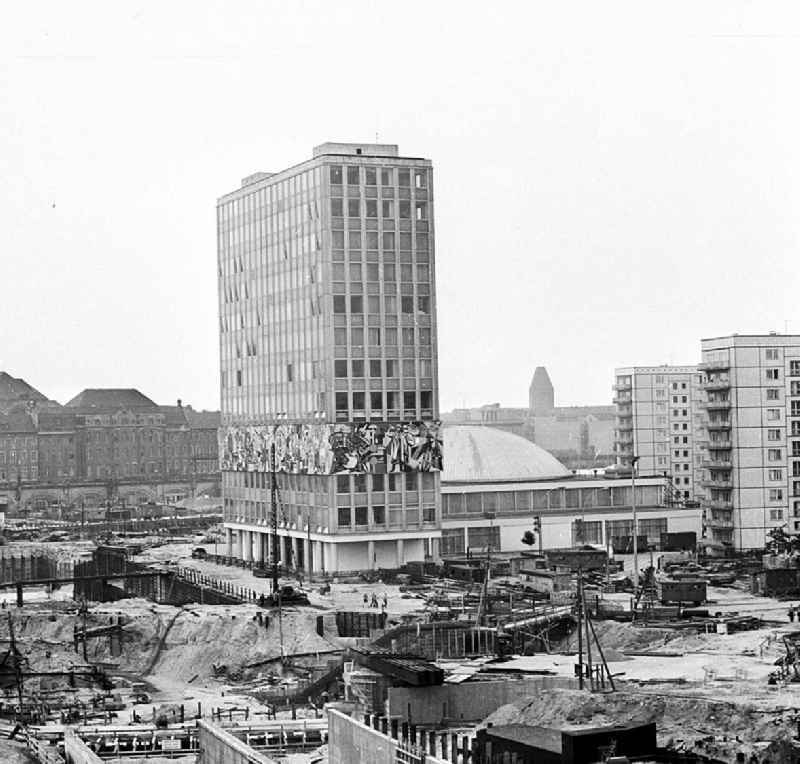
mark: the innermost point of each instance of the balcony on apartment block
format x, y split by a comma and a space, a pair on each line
718, 365
720, 522
712, 385
719, 504
716, 464
718, 484
716, 404
714, 425
719, 445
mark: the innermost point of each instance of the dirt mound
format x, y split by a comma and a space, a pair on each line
622, 637
699, 725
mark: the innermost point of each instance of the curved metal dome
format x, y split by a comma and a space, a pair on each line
474, 453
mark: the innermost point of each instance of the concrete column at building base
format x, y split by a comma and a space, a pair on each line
331, 558
229, 542
371, 555
400, 553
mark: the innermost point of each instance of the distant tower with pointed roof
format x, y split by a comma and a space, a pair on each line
541, 397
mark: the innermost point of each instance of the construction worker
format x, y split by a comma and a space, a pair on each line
366, 600
791, 614
374, 601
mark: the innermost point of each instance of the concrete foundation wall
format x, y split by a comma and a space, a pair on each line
217, 746
467, 702
350, 741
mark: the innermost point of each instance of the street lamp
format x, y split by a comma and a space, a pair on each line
634, 459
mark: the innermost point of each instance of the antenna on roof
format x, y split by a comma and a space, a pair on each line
376, 136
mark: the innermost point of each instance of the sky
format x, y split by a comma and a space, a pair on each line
613, 181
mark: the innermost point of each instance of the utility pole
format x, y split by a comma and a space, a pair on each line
274, 518
635, 459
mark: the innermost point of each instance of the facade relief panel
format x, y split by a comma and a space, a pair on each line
329, 449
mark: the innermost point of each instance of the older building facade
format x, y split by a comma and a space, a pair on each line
328, 358
104, 444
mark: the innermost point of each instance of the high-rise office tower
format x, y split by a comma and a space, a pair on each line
328, 354
660, 420
752, 385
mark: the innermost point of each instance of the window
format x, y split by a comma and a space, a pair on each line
336, 175
794, 368
343, 484
774, 454
796, 448
339, 303
353, 208
795, 388
375, 368
420, 179
344, 517
379, 515
404, 178
356, 304
352, 176
388, 208
424, 304
388, 240
773, 415
421, 210
406, 304
773, 394
337, 208
392, 369
795, 409
773, 435
426, 400
776, 514
775, 474
340, 335
405, 209
376, 401
409, 401
795, 469
387, 176
356, 336
374, 336
358, 401
361, 516
358, 368
772, 374
772, 354
408, 367
795, 428
341, 402
408, 336
372, 208
370, 176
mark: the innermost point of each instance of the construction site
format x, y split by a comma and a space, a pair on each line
155, 648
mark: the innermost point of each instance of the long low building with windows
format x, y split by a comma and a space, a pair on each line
496, 486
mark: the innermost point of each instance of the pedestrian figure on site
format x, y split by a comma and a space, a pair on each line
385, 601
791, 614
366, 600
374, 601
